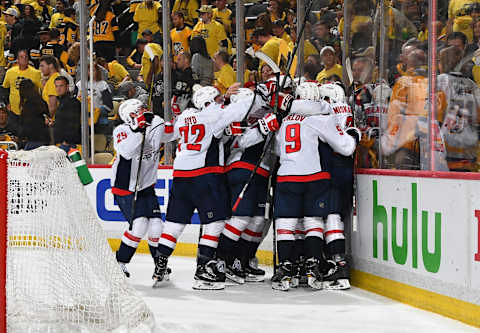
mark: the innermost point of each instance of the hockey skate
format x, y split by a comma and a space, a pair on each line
300, 277
314, 276
252, 272
281, 279
124, 269
336, 276
162, 272
210, 276
235, 272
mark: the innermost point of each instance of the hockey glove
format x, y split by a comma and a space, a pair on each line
268, 123
234, 129
175, 107
284, 102
148, 117
355, 133
138, 123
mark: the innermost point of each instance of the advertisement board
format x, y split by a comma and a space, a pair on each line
420, 231
112, 220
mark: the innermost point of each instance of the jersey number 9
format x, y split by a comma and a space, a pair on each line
292, 135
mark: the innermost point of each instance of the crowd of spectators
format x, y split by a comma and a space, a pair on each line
386, 41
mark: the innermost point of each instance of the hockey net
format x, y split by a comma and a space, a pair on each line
60, 274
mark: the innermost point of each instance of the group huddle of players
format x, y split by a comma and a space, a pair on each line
304, 139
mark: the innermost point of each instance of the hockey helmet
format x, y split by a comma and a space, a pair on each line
333, 92
204, 96
308, 90
129, 109
381, 94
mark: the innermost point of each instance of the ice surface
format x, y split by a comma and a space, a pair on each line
255, 307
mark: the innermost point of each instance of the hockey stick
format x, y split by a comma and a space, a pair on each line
135, 195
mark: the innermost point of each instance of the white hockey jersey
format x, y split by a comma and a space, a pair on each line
127, 144
297, 141
200, 148
344, 115
245, 150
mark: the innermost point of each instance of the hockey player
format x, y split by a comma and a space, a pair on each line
138, 121
341, 199
302, 190
244, 230
198, 182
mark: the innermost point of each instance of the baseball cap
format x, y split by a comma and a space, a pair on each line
205, 9
147, 32
11, 11
327, 48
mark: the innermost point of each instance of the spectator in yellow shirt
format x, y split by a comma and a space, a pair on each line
148, 15
212, 31
49, 67
152, 54
223, 15
179, 35
57, 18
224, 73
275, 48
12, 80
134, 60
278, 30
332, 70
189, 10
117, 74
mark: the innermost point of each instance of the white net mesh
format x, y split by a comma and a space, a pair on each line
61, 273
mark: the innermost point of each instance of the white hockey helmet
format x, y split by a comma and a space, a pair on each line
129, 108
242, 94
381, 94
308, 90
204, 96
333, 92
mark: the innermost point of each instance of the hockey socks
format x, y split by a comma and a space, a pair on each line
125, 253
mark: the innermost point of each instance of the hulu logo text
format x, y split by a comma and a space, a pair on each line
410, 233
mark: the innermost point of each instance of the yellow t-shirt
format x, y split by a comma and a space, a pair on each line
180, 40
277, 50
223, 17
286, 37
224, 78
3, 34
147, 18
49, 87
213, 33
116, 73
56, 19
308, 49
188, 8
358, 23
12, 80
325, 74
151, 50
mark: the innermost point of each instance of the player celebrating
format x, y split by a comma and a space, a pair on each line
127, 138
303, 185
341, 200
244, 230
198, 182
